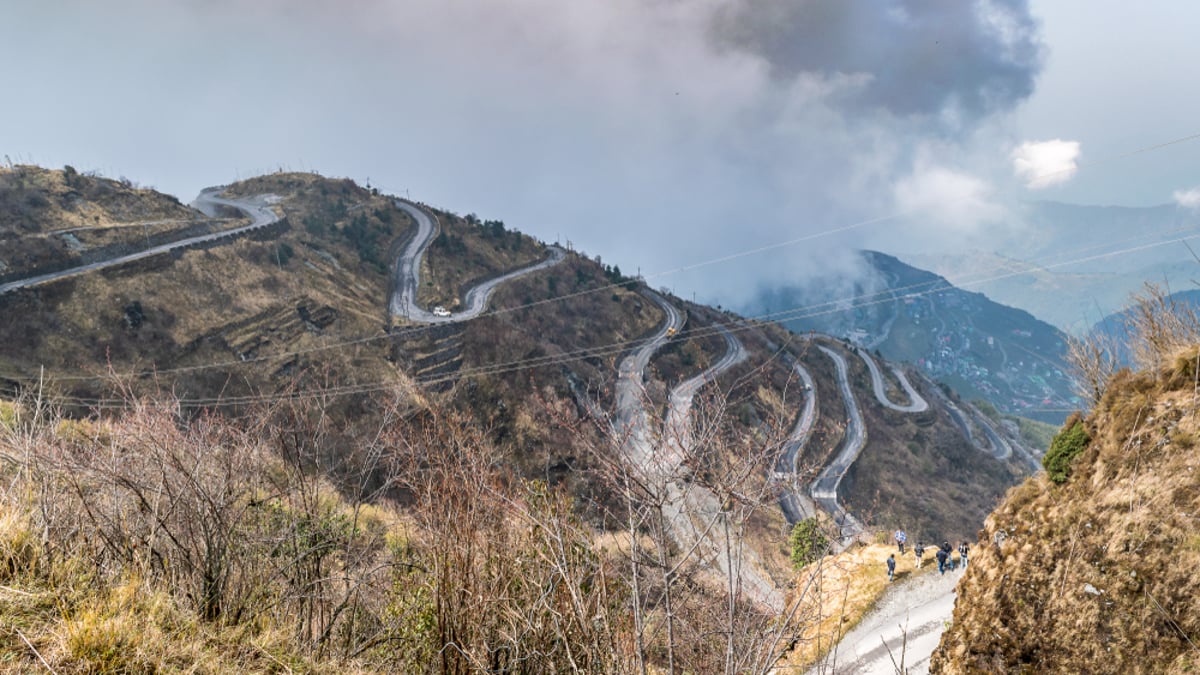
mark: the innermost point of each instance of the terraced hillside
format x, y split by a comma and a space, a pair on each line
535, 363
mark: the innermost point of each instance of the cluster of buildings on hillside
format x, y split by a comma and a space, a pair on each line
1006, 369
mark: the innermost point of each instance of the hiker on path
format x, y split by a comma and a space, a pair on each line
900, 539
941, 558
920, 551
962, 553
891, 562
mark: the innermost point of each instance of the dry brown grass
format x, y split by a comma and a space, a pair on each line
1099, 574
844, 588
217, 305
448, 271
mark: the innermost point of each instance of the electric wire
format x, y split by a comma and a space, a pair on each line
788, 314
607, 349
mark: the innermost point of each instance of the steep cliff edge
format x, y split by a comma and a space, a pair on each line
1101, 572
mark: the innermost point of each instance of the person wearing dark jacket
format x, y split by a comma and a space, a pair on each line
920, 551
891, 563
942, 555
949, 554
962, 553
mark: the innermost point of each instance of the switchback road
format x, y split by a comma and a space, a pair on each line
824, 488
794, 500
408, 275
632, 423
256, 208
916, 403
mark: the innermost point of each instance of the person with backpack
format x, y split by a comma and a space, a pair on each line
942, 555
891, 563
949, 554
962, 553
901, 537
920, 551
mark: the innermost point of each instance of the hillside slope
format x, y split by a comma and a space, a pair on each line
305, 306
1099, 574
981, 348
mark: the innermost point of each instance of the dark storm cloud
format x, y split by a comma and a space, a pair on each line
628, 127
921, 57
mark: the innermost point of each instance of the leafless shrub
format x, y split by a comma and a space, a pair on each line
1159, 327
1093, 360
701, 599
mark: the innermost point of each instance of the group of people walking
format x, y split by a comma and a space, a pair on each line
944, 555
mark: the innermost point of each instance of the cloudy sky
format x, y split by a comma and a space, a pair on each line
657, 133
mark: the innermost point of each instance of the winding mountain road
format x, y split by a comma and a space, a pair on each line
691, 511
256, 208
916, 403
824, 488
632, 420
679, 410
794, 500
408, 275
1000, 448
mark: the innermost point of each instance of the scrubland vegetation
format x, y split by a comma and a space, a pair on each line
155, 541
1094, 566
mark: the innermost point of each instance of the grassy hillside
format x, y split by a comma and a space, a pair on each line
300, 314
1098, 573
245, 305
52, 220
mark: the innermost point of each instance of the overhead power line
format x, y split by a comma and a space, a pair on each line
617, 347
797, 312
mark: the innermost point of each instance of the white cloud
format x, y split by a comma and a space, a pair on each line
946, 199
1044, 163
1189, 199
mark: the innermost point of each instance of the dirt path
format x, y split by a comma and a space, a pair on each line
905, 626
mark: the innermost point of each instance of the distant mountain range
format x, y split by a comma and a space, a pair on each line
1070, 265
1115, 328
981, 348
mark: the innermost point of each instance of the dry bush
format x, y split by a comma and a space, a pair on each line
1157, 329
1160, 327
512, 577
232, 529
154, 540
1093, 361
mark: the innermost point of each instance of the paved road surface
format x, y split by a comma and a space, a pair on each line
916, 403
824, 488
678, 432
1000, 448
256, 208
909, 618
632, 420
697, 519
794, 500
956, 415
408, 275
692, 512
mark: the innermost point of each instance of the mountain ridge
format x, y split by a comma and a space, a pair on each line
303, 315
